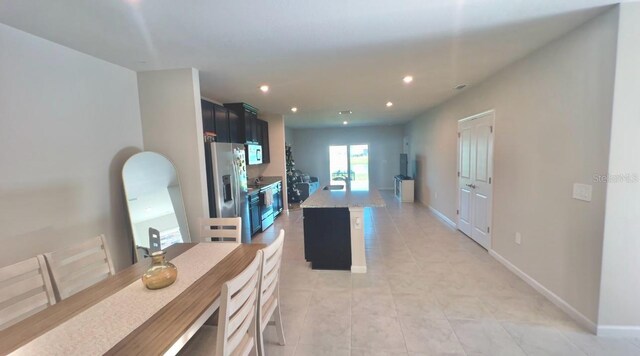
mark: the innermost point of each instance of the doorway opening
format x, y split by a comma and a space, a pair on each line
349, 163
475, 171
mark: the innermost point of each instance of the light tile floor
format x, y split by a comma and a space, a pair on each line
429, 290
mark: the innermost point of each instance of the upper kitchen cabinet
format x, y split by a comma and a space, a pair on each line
247, 122
234, 127
221, 117
215, 118
263, 139
236, 123
208, 122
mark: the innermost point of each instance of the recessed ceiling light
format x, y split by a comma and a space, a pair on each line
264, 88
389, 104
345, 112
294, 109
345, 122
460, 86
407, 79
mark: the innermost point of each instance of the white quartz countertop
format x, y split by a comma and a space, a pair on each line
344, 198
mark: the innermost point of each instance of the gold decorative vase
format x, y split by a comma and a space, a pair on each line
161, 273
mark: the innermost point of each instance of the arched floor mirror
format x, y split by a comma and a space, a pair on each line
154, 201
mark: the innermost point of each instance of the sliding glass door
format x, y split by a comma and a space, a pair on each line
339, 163
349, 164
359, 166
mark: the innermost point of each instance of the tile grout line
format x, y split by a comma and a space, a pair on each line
456, 335
404, 337
501, 322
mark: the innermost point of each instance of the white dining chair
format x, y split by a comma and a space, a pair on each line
236, 330
221, 230
25, 289
81, 266
269, 298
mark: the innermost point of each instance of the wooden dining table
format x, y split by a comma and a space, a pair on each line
165, 331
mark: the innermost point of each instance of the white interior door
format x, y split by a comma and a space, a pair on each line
475, 193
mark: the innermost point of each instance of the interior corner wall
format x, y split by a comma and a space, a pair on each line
619, 313
68, 122
552, 125
288, 136
172, 125
311, 152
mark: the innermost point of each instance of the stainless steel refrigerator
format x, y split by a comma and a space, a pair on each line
227, 183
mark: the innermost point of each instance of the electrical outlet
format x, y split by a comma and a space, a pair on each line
518, 238
582, 191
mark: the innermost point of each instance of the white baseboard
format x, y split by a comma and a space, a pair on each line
358, 269
553, 298
619, 330
442, 217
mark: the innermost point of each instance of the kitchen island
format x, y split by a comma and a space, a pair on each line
334, 226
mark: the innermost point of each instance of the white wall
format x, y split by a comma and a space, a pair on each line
277, 163
288, 136
553, 117
620, 288
311, 152
68, 121
172, 125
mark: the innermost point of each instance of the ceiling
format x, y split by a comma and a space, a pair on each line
320, 56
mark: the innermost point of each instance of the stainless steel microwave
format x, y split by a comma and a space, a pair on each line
254, 154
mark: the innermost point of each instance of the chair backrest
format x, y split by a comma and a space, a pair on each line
237, 317
269, 278
221, 230
78, 267
25, 289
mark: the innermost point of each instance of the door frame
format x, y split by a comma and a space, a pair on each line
492, 113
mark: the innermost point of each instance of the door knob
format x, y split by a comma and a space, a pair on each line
472, 186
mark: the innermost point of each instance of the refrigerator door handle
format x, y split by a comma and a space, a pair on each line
239, 185
236, 186
237, 192
234, 182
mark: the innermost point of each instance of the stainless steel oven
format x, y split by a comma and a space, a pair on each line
266, 213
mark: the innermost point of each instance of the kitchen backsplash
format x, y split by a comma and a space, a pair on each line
255, 171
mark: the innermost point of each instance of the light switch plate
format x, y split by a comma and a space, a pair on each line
582, 191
